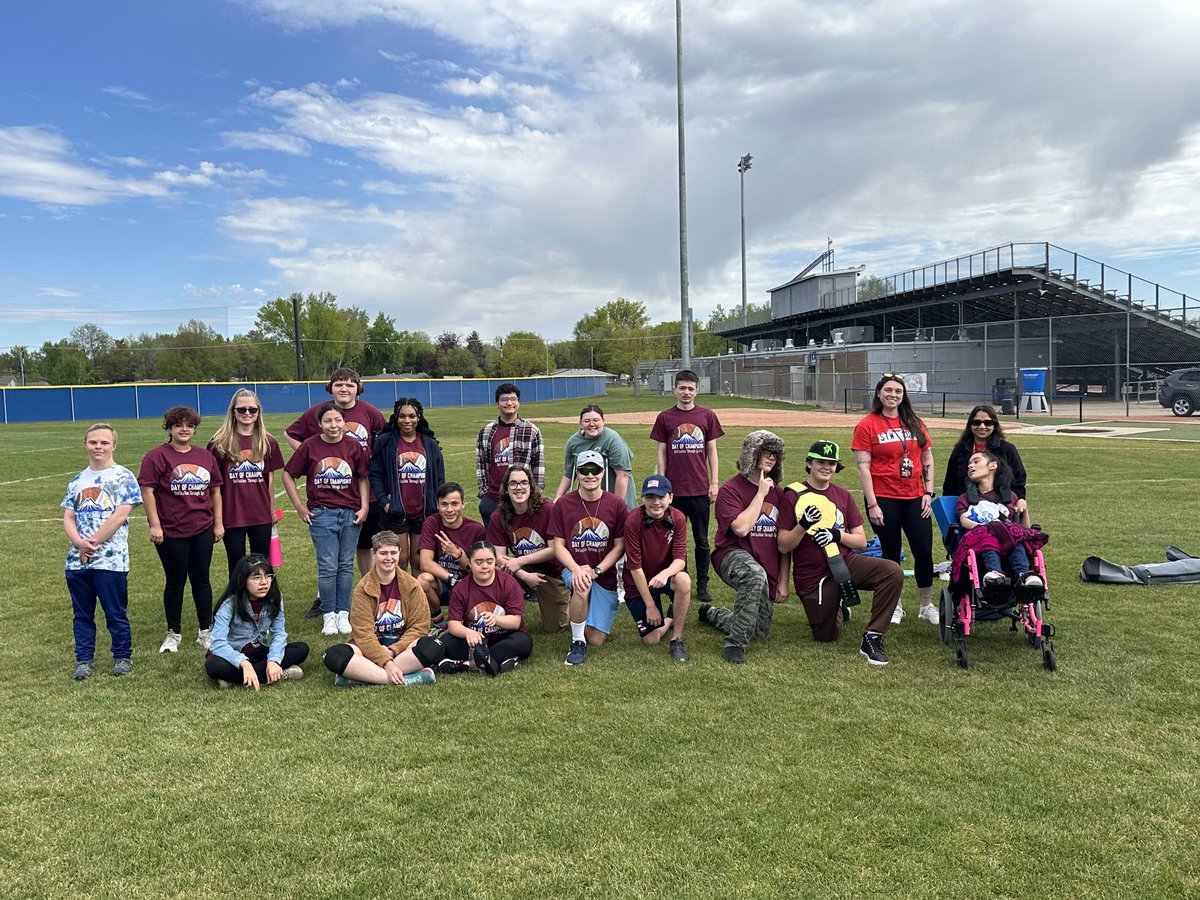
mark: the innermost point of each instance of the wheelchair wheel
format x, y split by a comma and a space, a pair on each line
960, 655
946, 616
1049, 663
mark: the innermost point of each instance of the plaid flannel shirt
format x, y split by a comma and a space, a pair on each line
526, 443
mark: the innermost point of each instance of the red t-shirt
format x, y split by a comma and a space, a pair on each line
589, 529
762, 542
686, 432
652, 548
503, 596
363, 422
410, 470
246, 497
467, 533
888, 442
527, 533
182, 484
809, 562
332, 471
499, 458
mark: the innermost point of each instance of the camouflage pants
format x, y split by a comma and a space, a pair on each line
750, 618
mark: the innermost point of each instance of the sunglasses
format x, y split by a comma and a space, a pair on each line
898, 376
246, 410
982, 423
590, 470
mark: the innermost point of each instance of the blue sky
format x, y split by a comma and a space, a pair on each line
511, 165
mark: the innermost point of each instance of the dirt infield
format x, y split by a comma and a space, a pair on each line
764, 418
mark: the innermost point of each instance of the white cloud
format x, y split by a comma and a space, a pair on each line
209, 174
265, 140
125, 93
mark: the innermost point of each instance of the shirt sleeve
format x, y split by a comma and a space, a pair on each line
633, 540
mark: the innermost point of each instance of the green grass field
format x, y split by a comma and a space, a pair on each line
804, 773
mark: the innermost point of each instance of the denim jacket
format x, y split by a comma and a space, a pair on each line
231, 633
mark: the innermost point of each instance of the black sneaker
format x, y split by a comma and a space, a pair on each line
703, 594
872, 648
679, 651
313, 611
484, 662
702, 613
509, 664
452, 666
735, 655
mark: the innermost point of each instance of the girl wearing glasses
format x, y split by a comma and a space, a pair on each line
248, 458
984, 432
249, 637
895, 465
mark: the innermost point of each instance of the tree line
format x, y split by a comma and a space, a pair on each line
613, 337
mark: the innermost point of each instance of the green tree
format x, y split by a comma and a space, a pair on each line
118, 365
871, 287
329, 337
458, 361
610, 334
62, 363
522, 353
93, 340
383, 351
475, 345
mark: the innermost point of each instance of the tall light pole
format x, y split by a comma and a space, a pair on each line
743, 168
685, 318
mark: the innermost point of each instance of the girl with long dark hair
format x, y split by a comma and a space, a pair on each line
983, 431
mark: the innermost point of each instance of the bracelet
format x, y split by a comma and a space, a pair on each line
930, 494
872, 506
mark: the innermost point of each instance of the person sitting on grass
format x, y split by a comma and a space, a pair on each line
95, 517
389, 625
443, 549
486, 629
990, 503
249, 636
656, 566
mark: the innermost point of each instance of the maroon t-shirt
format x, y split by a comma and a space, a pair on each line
363, 422
182, 484
686, 432
809, 561
589, 528
526, 533
503, 596
499, 458
246, 496
467, 533
652, 548
410, 470
762, 542
331, 471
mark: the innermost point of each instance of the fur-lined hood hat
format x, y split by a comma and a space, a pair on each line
753, 446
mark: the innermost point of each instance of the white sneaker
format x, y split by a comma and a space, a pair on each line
204, 638
929, 613
992, 577
170, 643
330, 626
293, 673
1033, 580
898, 615
343, 622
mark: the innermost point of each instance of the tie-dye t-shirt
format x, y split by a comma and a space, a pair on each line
93, 496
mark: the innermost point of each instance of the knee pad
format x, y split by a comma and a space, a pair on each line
337, 657
428, 651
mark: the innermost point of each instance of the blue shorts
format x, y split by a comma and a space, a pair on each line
637, 607
602, 605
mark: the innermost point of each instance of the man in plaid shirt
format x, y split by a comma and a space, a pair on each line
506, 441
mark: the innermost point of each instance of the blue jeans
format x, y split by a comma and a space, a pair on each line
487, 506
86, 586
335, 538
1018, 561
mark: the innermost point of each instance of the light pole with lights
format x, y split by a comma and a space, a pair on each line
743, 168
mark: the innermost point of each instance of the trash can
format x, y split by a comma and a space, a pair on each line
1006, 407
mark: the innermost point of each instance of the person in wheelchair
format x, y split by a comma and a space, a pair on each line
993, 524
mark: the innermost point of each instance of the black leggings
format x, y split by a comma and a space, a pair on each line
514, 645
294, 653
184, 560
235, 540
905, 515
697, 511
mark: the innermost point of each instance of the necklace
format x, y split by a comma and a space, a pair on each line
590, 513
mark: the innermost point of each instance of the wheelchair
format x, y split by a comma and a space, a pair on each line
970, 601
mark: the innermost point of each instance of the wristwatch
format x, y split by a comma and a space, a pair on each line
930, 494
597, 571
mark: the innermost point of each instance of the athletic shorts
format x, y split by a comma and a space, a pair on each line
637, 607
602, 605
370, 526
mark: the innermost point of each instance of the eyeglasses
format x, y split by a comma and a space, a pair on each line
517, 484
260, 576
590, 470
982, 423
508, 399
246, 410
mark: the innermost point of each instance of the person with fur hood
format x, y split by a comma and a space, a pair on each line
751, 512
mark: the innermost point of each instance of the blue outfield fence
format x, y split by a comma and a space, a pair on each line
150, 401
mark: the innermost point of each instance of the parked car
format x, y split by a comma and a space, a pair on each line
1180, 392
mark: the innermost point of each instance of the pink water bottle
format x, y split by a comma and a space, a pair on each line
276, 553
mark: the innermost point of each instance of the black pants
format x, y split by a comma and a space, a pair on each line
235, 539
294, 653
696, 509
184, 560
905, 515
514, 645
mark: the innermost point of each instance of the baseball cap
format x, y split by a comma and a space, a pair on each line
593, 457
656, 485
826, 450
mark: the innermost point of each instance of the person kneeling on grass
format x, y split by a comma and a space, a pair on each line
249, 636
815, 585
389, 624
655, 566
486, 630
442, 549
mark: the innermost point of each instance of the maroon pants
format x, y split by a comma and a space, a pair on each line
885, 580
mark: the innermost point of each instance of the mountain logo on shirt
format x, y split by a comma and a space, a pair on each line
688, 438
502, 452
246, 469
359, 432
474, 616
333, 473
190, 479
526, 541
411, 467
93, 499
589, 534
766, 523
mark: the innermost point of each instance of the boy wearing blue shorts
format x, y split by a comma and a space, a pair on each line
96, 512
655, 566
587, 528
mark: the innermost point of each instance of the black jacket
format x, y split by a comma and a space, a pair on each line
956, 468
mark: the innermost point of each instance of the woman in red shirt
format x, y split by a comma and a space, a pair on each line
895, 464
